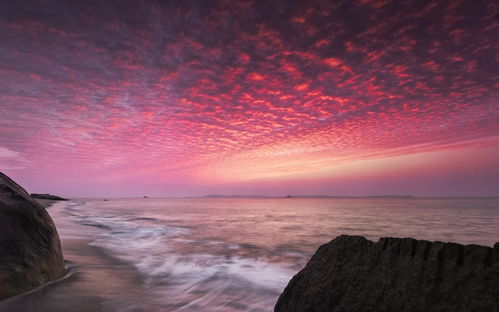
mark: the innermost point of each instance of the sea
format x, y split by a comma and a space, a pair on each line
232, 254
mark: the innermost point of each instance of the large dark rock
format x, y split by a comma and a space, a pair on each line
352, 274
30, 250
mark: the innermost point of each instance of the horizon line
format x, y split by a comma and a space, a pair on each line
289, 196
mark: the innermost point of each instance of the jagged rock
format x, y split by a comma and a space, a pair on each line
47, 196
353, 274
30, 250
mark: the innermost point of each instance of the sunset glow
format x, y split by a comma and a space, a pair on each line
250, 97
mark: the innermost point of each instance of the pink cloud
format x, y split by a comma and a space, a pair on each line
237, 93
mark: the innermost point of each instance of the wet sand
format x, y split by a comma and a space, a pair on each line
93, 282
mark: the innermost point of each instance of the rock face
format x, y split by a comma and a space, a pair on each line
352, 274
47, 196
30, 250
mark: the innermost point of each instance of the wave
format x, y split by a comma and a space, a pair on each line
182, 273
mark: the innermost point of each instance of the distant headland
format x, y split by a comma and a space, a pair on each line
47, 196
306, 196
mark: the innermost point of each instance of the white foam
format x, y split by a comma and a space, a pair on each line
164, 256
147, 247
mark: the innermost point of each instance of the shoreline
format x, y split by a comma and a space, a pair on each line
104, 249
91, 280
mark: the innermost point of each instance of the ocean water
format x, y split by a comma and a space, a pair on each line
234, 254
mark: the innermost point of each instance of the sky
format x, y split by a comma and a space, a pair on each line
187, 98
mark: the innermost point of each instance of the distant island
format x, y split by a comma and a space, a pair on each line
235, 196
306, 196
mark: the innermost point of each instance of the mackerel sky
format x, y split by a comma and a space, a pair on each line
176, 98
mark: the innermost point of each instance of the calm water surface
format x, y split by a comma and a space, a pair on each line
238, 254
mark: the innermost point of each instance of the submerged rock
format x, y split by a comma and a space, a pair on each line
352, 274
30, 250
47, 196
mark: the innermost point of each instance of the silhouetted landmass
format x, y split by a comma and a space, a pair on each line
353, 274
235, 196
342, 196
30, 250
47, 196
305, 196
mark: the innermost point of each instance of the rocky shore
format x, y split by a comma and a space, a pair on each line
353, 274
30, 250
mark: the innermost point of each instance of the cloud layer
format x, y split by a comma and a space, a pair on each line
232, 91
